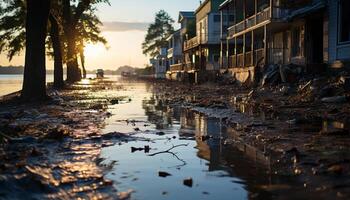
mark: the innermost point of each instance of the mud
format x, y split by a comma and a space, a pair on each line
109, 139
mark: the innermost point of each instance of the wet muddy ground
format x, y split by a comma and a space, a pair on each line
120, 139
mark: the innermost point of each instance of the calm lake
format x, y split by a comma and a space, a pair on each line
10, 83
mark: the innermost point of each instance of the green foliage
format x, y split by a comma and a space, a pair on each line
12, 27
148, 70
89, 30
157, 33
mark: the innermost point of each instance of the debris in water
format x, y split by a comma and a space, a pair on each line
163, 174
125, 195
188, 182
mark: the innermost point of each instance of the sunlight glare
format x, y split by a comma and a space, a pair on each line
93, 50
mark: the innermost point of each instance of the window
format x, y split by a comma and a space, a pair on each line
217, 18
344, 21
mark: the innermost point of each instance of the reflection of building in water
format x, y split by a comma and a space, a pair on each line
157, 112
194, 124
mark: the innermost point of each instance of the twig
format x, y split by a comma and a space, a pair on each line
169, 150
172, 153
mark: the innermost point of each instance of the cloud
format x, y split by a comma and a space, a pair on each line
117, 26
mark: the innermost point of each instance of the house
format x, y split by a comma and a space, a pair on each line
160, 64
176, 52
175, 56
304, 33
202, 52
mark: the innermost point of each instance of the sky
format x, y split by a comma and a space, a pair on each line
125, 25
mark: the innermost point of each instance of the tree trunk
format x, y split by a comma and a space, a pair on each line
57, 51
73, 71
82, 58
34, 81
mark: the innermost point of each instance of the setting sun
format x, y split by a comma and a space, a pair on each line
94, 50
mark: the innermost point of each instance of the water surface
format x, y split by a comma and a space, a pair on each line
217, 172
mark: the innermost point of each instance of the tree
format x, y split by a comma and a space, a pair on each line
71, 14
57, 51
12, 32
157, 33
12, 27
34, 83
88, 31
13, 37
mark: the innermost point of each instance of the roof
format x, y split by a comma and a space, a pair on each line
176, 33
201, 6
215, 5
225, 3
185, 14
307, 10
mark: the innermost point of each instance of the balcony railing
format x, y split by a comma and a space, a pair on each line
240, 60
232, 61
191, 43
248, 61
176, 67
236, 61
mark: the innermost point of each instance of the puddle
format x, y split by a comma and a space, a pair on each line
200, 166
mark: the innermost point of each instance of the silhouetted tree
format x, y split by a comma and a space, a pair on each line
57, 51
34, 83
71, 14
157, 33
88, 29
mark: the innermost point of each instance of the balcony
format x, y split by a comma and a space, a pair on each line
276, 13
176, 67
191, 43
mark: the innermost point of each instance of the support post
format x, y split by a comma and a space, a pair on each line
253, 50
244, 48
265, 45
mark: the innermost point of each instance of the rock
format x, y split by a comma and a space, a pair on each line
125, 195
136, 129
147, 149
134, 149
160, 133
163, 174
188, 182
58, 133
336, 99
114, 101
